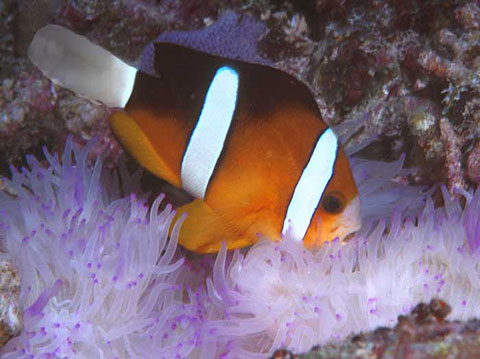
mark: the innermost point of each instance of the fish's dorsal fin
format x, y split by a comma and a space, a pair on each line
74, 62
233, 36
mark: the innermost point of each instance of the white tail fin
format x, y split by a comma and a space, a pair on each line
74, 62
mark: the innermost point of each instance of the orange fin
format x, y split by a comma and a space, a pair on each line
133, 138
204, 230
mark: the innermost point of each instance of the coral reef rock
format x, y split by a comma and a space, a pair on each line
11, 315
393, 69
422, 334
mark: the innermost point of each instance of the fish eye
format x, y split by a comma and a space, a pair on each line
333, 203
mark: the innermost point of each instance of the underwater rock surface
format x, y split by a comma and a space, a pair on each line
423, 333
394, 70
11, 311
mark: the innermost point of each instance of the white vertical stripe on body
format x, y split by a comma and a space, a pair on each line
311, 185
208, 137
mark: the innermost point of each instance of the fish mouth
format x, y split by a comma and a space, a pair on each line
348, 223
341, 228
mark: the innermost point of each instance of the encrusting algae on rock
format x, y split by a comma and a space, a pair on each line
11, 311
397, 47
423, 333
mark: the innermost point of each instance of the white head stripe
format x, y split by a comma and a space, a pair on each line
311, 185
209, 135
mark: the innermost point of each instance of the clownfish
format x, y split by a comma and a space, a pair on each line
246, 140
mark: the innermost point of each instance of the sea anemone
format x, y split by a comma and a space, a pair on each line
96, 269
102, 279
280, 295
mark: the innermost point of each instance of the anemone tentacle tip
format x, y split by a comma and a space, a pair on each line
100, 278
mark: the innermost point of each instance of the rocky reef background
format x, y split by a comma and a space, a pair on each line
423, 333
404, 73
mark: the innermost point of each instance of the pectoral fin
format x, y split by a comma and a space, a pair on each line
133, 138
204, 230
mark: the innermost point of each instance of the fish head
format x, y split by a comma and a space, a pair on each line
338, 212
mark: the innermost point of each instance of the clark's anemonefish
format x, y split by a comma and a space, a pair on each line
246, 140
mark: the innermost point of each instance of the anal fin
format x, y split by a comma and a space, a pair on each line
204, 230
